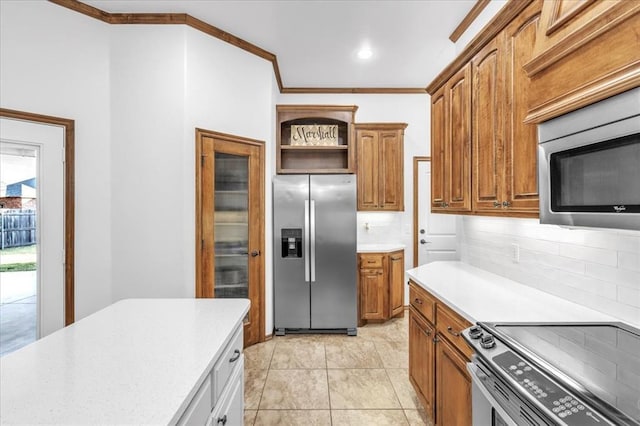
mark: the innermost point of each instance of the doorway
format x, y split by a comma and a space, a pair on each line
434, 235
230, 223
36, 242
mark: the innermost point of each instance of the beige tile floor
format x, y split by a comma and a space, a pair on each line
317, 379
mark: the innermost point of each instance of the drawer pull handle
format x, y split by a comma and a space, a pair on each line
236, 355
450, 330
418, 301
222, 420
396, 258
371, 261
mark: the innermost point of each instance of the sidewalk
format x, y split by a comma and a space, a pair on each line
18, 314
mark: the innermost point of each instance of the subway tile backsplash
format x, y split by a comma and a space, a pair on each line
595, 268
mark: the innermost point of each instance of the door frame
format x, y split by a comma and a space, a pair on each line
416, 161
69, 198
199, 289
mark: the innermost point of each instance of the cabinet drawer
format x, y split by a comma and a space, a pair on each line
422, 301
230, 408
371, 261
226, 364
449, 324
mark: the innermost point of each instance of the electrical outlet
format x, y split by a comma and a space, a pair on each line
515, 253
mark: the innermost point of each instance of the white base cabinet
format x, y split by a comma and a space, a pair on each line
220, 399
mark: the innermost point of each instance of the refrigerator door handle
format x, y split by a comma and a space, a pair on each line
313, 240
306, 241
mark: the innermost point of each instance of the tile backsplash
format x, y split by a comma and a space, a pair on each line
599, 269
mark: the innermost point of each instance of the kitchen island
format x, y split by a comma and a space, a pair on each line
138, 361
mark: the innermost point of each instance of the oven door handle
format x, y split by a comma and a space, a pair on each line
475, 377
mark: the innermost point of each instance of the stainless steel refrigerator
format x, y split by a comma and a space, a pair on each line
314, 219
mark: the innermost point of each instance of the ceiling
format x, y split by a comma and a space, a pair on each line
316, 42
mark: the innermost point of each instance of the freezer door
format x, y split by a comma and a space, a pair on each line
291, 289
333, 251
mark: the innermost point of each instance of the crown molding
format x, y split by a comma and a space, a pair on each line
195, 23
468, 19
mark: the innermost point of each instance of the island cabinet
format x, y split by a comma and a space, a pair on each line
380, 166
437, 358
138, 361
315, 139
504, 150
451, 144
381, 286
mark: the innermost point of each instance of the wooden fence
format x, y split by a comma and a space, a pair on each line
17, 227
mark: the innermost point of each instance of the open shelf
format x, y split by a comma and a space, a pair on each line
317, 156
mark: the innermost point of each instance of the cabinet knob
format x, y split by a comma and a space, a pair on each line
506, 204
255, 253
418, 301
222, 420
496, 204
450, 330
427, 332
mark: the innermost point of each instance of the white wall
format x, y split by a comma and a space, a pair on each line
56, 62
147, 144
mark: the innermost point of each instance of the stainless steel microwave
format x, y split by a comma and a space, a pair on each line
589, 165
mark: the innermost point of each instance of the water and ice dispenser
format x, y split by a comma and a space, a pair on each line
291, 242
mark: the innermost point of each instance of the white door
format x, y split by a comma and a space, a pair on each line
48, 142
436, 232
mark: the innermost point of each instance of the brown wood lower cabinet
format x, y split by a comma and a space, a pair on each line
381, 286
438, 358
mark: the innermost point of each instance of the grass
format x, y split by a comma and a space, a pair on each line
18, 267
19, 250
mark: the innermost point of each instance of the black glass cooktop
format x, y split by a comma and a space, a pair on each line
603, 358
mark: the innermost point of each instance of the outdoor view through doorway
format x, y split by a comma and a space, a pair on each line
18, 250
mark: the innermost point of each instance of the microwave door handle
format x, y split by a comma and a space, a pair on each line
475, 378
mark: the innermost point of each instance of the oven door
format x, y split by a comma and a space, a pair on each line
486, 410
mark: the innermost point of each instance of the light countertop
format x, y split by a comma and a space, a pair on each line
138, 361
478, 295
380, 248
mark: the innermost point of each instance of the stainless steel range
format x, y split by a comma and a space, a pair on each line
555, 374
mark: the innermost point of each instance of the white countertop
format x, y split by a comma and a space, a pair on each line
138, 361
479, 295
379, 248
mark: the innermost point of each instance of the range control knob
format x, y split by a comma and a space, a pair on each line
487, 341
475, 332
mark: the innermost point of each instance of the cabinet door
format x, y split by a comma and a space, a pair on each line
421, 359
373, 297
391, 177
396, 283
229, 410
453, 386
521, 143
439, 140
459, 148
487, 106
367, 145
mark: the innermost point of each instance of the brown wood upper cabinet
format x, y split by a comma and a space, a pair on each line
585, 51
483, 155
451, 144
314, 157
380, 166
504, 147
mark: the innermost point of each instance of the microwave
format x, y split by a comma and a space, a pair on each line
589, 165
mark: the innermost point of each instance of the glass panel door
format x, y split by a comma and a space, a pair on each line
231, 225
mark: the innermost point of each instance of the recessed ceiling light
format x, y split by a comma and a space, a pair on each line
365, 53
